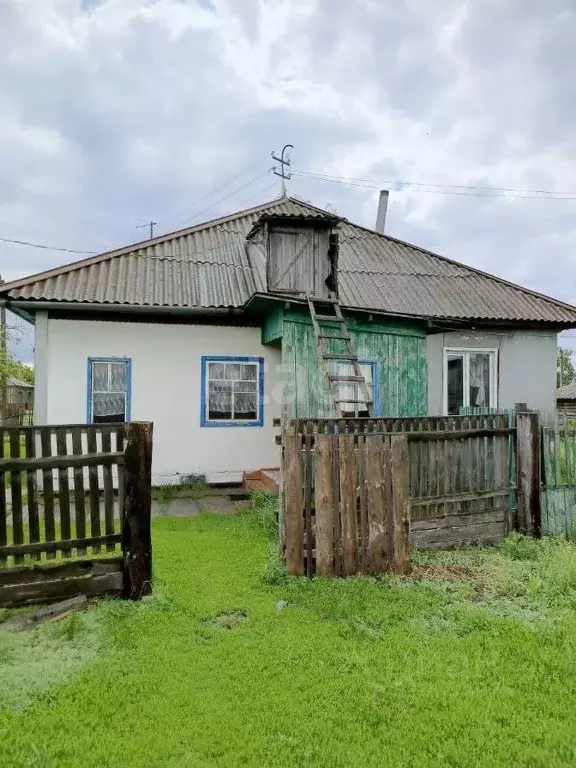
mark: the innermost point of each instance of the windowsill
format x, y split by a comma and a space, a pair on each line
232, 424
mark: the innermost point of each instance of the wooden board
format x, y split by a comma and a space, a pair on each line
294, 527
348, 505
324, 506
47, 591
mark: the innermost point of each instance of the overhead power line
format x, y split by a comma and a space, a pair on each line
258, 194
218, 189
226, 197
442, 189
43, 246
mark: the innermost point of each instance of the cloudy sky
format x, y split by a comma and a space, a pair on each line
119, 110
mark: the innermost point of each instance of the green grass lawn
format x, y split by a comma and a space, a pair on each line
470, 663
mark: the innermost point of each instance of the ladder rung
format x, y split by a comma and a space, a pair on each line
318, 300
336, 356
335, 377
345, 400
335, 338
329, 319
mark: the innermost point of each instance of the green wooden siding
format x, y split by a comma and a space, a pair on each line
399, 350
272, 327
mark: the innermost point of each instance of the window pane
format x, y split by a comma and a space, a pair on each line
220, 406
367, 369
107, 407
118, 377
219, 386
250, 372
480, 379
100, 377
244, 386
245, 406
216, 370
455, 375
233, 371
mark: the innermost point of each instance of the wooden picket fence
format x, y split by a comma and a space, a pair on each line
463, 480
74, 493
356, 492
346, 503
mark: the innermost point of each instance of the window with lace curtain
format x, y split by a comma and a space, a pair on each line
232, 391
469, 380
108, 389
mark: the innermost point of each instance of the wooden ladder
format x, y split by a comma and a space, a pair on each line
319, 319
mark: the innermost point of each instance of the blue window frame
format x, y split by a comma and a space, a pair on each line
232, 393
371, 371
109, 390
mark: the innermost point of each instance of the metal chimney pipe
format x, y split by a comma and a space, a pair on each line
382, 209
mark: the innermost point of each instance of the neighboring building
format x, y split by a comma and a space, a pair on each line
19, 391
206, 332
566, 399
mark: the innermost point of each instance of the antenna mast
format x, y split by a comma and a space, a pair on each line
284, 161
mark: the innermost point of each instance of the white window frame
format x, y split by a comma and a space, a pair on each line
127, 361
465, 352
375, 373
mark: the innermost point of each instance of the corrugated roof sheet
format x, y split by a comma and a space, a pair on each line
212, 265
567, 392
12, 381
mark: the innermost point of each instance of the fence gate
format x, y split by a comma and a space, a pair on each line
74, 511
345, 501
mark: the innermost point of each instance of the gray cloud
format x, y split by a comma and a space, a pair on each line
114, 109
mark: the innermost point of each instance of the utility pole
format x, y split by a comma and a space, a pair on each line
150, 224
284, 161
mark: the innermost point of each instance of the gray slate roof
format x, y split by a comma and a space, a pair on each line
12, 381
210, 265
567, 392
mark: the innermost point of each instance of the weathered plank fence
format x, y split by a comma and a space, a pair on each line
449, 481
74, 493
462, 481
346, 502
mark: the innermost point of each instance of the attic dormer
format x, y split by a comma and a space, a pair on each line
301, 253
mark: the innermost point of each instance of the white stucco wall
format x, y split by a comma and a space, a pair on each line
526, 366
166, 384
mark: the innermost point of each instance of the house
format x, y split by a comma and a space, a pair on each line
19, 391
566, 400
207, 333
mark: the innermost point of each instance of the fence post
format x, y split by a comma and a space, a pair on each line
528, 472
136, 539
400, 559
292, 499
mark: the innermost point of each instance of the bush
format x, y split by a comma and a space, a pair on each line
519, 547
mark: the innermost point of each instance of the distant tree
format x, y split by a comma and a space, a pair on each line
565, 372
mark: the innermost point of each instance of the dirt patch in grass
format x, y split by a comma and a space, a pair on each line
228, 619
446, 572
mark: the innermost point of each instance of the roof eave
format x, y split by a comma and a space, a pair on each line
29, 307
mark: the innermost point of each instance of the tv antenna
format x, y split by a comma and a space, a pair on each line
284, 161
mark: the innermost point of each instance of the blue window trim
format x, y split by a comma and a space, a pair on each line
375, 378
204, 421
128, 361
